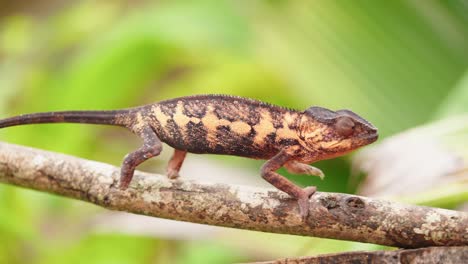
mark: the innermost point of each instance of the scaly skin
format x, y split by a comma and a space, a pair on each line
230, 125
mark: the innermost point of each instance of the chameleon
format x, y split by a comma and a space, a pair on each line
229, 125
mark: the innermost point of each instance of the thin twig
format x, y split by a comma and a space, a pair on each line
332, 215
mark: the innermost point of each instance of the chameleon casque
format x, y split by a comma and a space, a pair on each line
230, 125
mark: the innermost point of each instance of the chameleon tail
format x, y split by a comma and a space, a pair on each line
117, 117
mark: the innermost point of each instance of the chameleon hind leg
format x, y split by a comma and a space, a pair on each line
173, 167
283, 184
152, 146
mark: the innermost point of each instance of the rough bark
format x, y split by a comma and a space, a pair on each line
332, 215
422, 255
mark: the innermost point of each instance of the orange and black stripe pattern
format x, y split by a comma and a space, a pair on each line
222, 124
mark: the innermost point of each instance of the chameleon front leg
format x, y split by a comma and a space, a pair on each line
296, 167
173, 167
152, 146
283, 184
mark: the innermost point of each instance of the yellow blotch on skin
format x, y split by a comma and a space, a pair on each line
263, 128
345, 144
315, 134
180, 118
140, 123
211, 123
240, 127
285, 131
289, 118
160, 116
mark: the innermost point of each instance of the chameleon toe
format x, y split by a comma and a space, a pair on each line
172, 174
304, 202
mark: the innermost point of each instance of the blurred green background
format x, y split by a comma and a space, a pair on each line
400, 64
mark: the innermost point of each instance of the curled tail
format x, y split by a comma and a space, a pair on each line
115, 117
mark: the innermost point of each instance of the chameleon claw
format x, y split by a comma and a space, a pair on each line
301, 168
321, 175
316, 172
172, 174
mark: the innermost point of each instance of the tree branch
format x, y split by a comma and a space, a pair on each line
420, 255
332, 215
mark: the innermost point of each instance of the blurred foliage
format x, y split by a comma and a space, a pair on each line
441, 179
398, 63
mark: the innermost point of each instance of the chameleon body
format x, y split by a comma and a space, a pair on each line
230, 125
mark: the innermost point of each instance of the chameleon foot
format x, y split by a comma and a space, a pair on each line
175, 163
172, 174
303, 201
283, 184
301, 168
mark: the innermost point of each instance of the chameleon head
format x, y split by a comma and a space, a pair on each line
329, 134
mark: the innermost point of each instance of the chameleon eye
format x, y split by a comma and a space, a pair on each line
344, 126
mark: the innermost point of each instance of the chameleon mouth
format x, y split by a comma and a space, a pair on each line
371, 138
